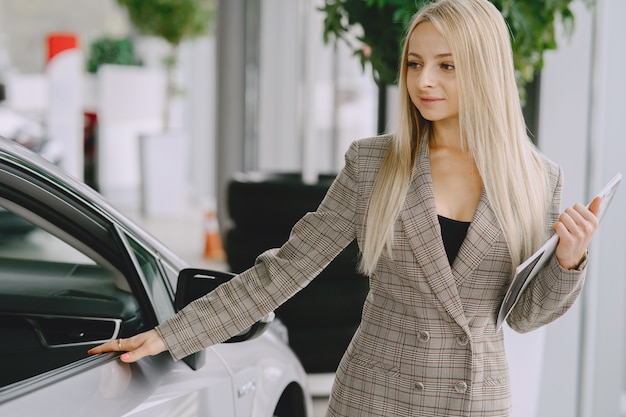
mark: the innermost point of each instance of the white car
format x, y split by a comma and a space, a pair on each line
87, 274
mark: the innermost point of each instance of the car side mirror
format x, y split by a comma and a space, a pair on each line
194, 283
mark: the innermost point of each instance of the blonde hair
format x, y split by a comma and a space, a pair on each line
492, 128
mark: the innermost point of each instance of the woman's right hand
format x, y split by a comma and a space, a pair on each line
136, 347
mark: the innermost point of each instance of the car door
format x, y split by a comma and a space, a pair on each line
73, 280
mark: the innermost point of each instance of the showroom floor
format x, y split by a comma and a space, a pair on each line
184, 234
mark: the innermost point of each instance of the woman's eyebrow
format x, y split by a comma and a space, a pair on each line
445, 55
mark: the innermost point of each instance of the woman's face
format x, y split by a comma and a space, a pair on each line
430, 77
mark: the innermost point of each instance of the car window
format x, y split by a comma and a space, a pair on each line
56, 300
30, 242
156, 283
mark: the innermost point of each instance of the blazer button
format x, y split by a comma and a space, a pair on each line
419, 387
462, 340
460, 387
423, 336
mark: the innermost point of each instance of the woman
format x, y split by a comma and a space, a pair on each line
443, 210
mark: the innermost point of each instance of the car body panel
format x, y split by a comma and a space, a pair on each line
108, 388
255, 384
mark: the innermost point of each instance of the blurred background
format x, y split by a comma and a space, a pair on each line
219, 135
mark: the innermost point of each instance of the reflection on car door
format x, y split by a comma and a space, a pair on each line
99, 387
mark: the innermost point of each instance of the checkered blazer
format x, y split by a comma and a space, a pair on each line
427, 344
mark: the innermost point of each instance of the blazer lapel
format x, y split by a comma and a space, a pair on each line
420, 221
481, 236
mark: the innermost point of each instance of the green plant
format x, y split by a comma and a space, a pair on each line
173, 21
109, 50
384, 22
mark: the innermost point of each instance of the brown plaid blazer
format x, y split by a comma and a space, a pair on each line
427, 344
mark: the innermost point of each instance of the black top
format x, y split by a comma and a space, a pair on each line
453, 233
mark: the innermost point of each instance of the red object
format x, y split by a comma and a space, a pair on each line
59, 42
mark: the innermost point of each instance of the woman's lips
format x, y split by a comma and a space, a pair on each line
430, 100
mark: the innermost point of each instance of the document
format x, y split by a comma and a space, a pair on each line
528, 269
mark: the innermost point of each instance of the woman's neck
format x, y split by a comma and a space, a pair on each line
447, 135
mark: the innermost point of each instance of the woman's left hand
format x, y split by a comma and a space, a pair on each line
575, 227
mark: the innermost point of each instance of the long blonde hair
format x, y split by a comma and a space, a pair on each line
492, 127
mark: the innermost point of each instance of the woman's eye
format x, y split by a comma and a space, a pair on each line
447, 67
413, 64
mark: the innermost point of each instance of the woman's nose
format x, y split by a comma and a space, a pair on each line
425, 77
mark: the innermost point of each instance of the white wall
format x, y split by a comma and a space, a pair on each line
279, 74
603, 328
583, 101
313, 101
562, 135
198, 63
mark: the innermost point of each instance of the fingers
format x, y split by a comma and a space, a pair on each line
131, 347
579, 221
142, 345
110, 346
136, 347
575, 228
594, 207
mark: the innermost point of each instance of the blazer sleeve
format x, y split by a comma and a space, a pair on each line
277, 275
551, 293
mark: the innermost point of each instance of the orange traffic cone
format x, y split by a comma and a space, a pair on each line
213, 248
